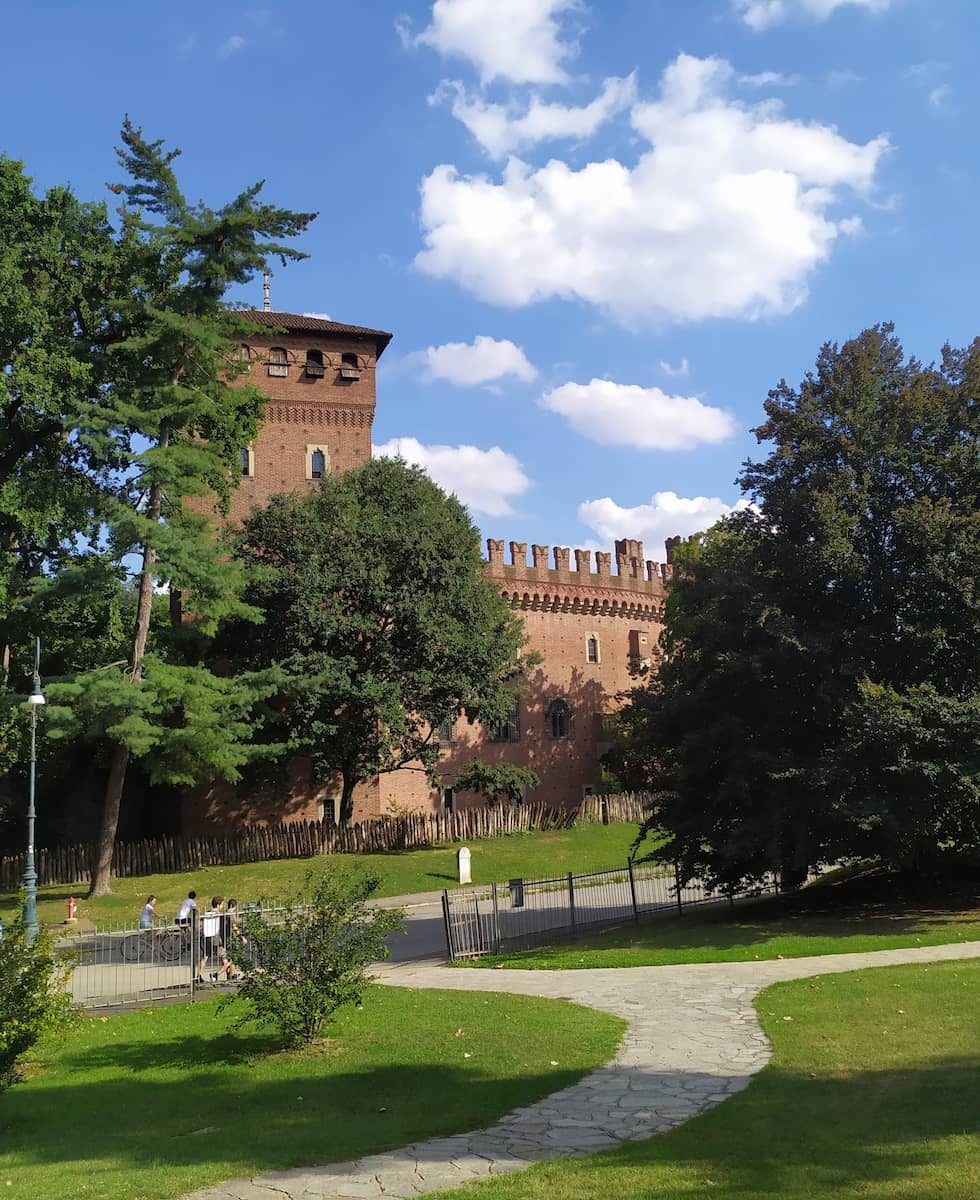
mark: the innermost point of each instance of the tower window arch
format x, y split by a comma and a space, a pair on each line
350, 368
559, 719
278, 361
246, 462
317, 462
592, 653
314, 364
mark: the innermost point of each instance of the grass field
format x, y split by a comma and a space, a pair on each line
871, 913
873, 1092
584, 848
153, 1103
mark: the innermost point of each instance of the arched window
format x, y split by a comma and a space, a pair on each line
244, 355
318, 464
559, 719
314, 364
592, 648
349, 367
246, 462
278, 361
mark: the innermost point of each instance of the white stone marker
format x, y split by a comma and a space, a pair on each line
463, 861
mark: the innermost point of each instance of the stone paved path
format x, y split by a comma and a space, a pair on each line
693, 1040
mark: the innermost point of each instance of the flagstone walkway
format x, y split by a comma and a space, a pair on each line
693, 1040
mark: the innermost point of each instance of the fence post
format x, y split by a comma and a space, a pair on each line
571, 900
496, 921
636, 908
677, 885
445, 920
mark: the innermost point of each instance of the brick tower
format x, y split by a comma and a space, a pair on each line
319, 377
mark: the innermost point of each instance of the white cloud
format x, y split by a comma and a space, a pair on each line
622, 414
726, 214
484, 480
500, 132
770, 79
319, 316
683, 368
667, 515
231, 45
472, 365
763, 14
517, 40
840, 79
939, 95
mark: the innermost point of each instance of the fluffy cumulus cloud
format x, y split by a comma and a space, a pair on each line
726, 214
502, 129
763, 14
515, 40
624, 414
485, 480
667, 515
480, 362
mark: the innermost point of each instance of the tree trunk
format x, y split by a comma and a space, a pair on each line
102, 853
343, 806
112, 801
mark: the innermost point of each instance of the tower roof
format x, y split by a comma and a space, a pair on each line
299, 323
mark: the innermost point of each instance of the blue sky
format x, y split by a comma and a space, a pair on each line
600, 231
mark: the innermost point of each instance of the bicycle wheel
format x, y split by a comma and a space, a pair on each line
171, 945
133, 948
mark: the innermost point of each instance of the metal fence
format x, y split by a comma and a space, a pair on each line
112, 966
528, 912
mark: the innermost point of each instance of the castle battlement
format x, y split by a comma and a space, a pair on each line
633, 573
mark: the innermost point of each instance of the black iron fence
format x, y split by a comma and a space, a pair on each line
528, 912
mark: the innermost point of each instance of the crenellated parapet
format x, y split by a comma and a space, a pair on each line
633, 572
552, 583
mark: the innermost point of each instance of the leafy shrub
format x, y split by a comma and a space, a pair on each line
304, 960
32, 997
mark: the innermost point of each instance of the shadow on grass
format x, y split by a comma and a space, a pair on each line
790, 1135
251, 1124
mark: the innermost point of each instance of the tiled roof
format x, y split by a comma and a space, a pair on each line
298, 323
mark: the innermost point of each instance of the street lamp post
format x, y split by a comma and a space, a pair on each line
35, 700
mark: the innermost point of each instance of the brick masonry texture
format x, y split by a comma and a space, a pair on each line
566, 598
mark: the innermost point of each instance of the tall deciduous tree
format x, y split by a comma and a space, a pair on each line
821, 691
58, 265
376, 605
174, 421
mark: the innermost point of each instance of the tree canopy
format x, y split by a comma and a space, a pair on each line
820, 693
375, 604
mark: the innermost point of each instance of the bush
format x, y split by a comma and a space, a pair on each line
303, 961
32, 997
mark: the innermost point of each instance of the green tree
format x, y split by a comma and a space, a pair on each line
173, 421
58, 265
303, 960
497, 781
819, 696
33, 1000
376, 606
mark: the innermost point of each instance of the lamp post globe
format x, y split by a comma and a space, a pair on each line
35, 701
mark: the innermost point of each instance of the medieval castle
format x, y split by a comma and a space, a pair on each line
592, 625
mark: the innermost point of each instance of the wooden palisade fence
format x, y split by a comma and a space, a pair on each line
305, 839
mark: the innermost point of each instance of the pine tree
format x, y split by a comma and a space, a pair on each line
173, 419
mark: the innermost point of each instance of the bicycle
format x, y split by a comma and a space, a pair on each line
166, 945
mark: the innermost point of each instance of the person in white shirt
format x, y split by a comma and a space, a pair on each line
148, 915
210, 939
187, 908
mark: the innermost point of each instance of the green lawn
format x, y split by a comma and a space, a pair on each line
873, 1092
585, 848
854, 915
151, 1104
